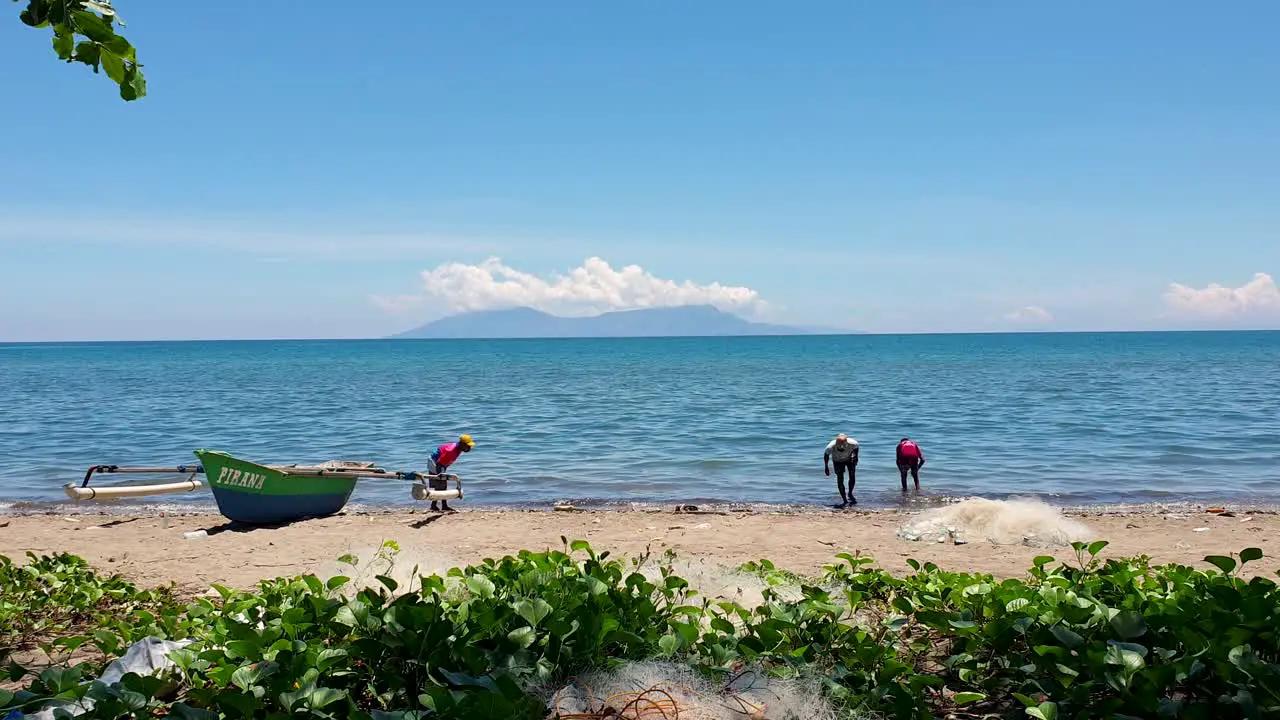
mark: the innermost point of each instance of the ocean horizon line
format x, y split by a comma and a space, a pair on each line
851, 333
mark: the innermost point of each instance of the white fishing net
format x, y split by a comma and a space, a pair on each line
668, 691
718, 582
1001, 522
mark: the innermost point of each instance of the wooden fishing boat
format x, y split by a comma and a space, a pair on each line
257, 494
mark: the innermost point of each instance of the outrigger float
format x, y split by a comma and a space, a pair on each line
256, 494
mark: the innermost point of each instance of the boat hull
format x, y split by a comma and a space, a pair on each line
255, 494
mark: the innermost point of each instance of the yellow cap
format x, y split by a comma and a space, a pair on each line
466, 440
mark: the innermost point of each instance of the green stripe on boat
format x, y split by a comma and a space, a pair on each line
231, 473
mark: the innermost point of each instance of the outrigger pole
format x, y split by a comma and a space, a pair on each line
84, 492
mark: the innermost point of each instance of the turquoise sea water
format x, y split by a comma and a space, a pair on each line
1075, 418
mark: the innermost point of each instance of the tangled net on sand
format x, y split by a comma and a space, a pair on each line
665, 691
1001, 522
653, 702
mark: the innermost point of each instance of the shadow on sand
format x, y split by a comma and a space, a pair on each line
241, 527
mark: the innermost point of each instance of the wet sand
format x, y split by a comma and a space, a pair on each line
155, 550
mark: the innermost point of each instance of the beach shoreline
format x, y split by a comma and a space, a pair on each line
910, 503
195, 549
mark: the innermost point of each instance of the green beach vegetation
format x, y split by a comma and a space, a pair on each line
85, 32
1082, 638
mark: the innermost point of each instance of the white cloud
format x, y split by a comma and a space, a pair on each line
1255, 299
593, 287
1030, 315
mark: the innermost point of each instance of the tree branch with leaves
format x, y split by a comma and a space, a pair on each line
84, 31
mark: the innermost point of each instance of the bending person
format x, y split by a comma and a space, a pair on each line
843, 452
441, 459
910, 458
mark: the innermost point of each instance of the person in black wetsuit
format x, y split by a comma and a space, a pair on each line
843, 452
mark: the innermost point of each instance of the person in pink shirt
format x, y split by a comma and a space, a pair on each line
910, 458
443, 457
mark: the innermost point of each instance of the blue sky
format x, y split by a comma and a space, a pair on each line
904, 167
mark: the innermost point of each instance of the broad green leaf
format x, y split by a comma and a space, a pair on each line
240, 704
1222, 562
88, 53
533, 611
330, 657
1097, 546
595, 586
1126, 655
36, 14
64, 44
184, 711
464, 680
965, 698
1250, 554
1129, 625
245, 677
428, 699
1243, 657
1025, 700
131, 699
481, 586
107, 641
668, 644
1067, 637
323, 697
978, 589
1044, 711
92, 26
336, 582
236, 649
147, 685
291, 699
121, 47
1016, 604
346, 616
60, 680
523, 636
722, 625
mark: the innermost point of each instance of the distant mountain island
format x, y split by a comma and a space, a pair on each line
686, 321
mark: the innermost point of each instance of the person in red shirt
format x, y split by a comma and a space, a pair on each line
442, 458
910, 458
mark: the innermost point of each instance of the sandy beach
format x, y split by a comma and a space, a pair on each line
154, 550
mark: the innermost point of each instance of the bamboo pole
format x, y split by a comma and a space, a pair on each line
91, 493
